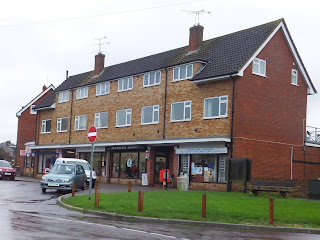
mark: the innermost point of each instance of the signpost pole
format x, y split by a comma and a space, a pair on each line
91, 163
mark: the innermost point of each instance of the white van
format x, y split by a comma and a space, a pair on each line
83, 163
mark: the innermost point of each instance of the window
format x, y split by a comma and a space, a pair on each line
151, 79
32, 111
125, 84
150, 115
82, 92
63, 96
294, 77
124, 118
216, 107
62, 124
46, 126
102, 88
259, 67
182, 72
101, 120
80, 122
181, 111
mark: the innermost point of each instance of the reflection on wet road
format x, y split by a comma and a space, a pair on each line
27, 213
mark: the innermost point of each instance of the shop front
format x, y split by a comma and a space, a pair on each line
204, 166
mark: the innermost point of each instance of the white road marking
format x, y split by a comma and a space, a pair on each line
98, 224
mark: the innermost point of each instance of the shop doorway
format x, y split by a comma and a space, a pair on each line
161, 163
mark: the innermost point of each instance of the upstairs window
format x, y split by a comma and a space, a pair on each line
294, 77
102, 88
259, 67
215, 107
124, 118
80, 122
32, 111
181, 111
62, 124
182, 72
101, 120
63, 96
82, 93
46, 126
150, 115
151, 79
125, 84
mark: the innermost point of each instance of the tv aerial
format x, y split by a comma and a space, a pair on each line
101, 43
197, 15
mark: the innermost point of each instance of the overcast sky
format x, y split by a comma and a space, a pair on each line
41, 39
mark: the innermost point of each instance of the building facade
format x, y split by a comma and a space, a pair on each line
188, 110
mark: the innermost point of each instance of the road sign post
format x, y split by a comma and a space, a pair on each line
92, 135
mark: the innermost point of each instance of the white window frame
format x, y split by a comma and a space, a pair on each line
186, 105
102, 86
82, 93
147, 78
155, 110
32, 111
44, 126
97, 116
63, 96
121, 84
178, 70
258, 62
294, 77
77, 123
219, 110
128, 113
59, 124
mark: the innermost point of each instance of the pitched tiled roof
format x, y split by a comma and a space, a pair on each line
223, 56
47, 101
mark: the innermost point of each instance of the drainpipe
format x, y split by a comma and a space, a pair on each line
291, 161
71, 115
232, 115
165, 105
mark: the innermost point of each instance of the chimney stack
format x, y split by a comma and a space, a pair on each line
44, 88
99, 63
196, 37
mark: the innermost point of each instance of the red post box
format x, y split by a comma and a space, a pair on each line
164, 175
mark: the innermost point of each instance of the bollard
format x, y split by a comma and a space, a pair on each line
129, 186
140, 201
73, 189
204, 205
97, 196
96, 183
271, 210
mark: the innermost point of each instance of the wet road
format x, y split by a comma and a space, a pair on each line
27, 213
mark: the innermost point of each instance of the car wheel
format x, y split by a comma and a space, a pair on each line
44, 190
84, 185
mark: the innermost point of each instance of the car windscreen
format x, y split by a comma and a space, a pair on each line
84, 165
4, 164
63, 169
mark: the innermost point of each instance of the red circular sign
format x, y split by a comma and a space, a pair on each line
92, 134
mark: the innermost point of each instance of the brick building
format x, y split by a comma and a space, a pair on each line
242, 95
27, 131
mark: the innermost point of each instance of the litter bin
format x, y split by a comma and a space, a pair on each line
314, 188
183, 183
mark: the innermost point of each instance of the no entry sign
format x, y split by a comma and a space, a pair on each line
92, 134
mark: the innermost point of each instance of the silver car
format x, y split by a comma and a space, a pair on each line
62, 176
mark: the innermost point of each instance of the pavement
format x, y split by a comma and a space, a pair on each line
117, 187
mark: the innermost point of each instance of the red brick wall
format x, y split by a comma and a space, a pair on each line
270, 113
26, 131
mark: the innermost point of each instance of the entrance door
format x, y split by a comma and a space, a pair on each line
161, 163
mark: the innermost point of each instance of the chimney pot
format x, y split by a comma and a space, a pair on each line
196, 37
99, 63
44, 88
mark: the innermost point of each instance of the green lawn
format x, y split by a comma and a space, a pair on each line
221, 207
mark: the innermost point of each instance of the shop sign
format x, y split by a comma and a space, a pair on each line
129, 147
201, 150
88, 149
144, 179
28, 150
23, 153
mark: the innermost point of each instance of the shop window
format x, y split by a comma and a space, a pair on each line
46, 161
129, 164
184, 164
115, 165
222, 169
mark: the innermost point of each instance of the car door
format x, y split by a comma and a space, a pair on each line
80, 176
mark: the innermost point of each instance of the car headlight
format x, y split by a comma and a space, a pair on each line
44, 179
66, 180
0, 169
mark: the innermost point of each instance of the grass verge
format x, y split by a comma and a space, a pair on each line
221, 207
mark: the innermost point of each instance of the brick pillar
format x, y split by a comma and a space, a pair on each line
175, 158
150, 166
108, 167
